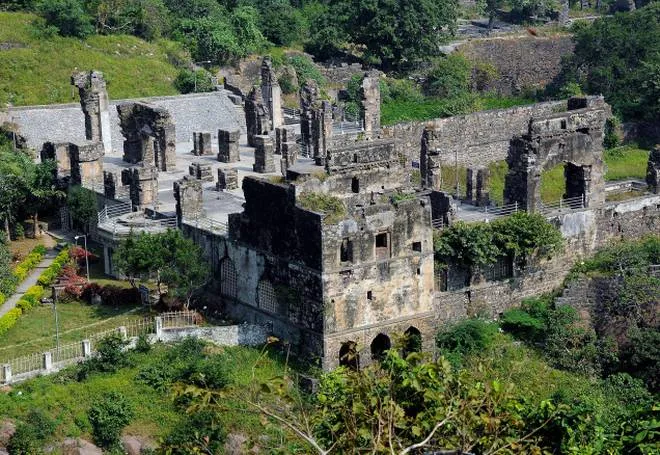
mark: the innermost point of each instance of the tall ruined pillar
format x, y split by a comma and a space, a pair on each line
653, 170
263, 155
370, 111
323, 132
87, 164
188, 193
94, 103
143, 184
257, 117
287, 147
202, 144
228, 147
271, 93
309, 94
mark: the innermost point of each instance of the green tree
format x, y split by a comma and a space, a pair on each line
523, 235
69, 16
470, 245
109, 415
82, 206
618, 57
450, 77
396, 33
168, 258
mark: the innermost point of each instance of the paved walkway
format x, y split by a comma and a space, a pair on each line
31, 280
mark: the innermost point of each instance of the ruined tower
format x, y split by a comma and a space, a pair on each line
94, 103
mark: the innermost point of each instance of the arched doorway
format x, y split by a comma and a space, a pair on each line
348, 355
379, 345
412, 340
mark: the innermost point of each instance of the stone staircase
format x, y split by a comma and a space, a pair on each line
576, 294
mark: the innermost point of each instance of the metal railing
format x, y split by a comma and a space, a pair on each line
563, 205
347, 127
114, 210
71, 352
438, 223
488, 213
207, 224
294, 113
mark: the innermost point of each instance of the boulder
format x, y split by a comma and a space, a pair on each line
72, 446
7, 430
134, 445
235, 444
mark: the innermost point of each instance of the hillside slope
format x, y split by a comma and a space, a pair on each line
36, 69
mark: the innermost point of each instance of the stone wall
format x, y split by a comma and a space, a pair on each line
473, 139
521, 62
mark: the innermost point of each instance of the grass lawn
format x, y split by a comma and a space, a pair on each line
628, 161
35, 331
67, 401
37, 69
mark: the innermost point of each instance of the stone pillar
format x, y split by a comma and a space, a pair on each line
257, 117
47, 363
308, 99
6, 372
263, 155
123, 333
201, 171
202, 144
471, 185
189, 199
653, 170
110, 182
563, 12
482, 196
271, 93
94, 102
227, 179
228, 146
158, 324
370, 111
323, 132
87, 164
107, 258
143, 184
288, 148
86, 348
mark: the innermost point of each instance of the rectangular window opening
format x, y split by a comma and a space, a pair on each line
370, 295
417, 246
346, 251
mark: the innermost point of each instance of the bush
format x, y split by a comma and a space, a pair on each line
194, 81
466, 337
30, 299
142, 344
8, 320
306, 70
333, 207
450, 77
30, 436
197, 429
108, 416
111, 354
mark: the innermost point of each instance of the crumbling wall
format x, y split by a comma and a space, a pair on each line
520, 62
257, 116
94, 102
188, 194
149, 135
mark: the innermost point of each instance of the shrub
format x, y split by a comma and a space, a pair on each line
115, 296
30, 299
333, 207
157, 376
450, 77
111, 354
69, 16
193, 81
30, 436
8, 320
142, 344
197, 429
305, 69
466, 337
108, 416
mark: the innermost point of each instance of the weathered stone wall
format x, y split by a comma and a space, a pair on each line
521, 62
473, 139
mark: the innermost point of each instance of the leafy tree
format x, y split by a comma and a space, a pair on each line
6, 275
617, 56
69, 16
280, 22
532, 9
326, 33
465, 337
82, 206
525, 234
169, 258
190, 81
467, 244
147, 19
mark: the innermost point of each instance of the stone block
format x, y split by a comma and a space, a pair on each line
228, 146
202, 144
201, 171
227, 179
263, 155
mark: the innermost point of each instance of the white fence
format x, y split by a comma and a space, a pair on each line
63, 355
563, 205
487, 213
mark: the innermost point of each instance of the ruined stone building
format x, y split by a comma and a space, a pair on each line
325, 233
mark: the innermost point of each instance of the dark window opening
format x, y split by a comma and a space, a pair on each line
346, 251
348, 355
355, 158
370, 295
419, 271
355, 185
500, 270
412, 340
382, 246
380, 346
563, 124
441, 280
417, 246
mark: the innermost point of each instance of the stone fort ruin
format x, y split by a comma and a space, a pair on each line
322, 229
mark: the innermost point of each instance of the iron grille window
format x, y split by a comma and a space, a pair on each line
228, 278
266, 297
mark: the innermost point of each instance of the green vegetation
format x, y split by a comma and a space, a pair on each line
108, 416
38, 69
168, 258
521, 236
553, 184
626, 162
617, 56
332, 207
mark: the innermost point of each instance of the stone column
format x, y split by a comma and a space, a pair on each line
86, 348
60, 152
87, 164
288, 148
123, 333
271, 93
482, 196
189, 199
471, 184
227, 179
370, 92
653, 170
323, 132
158, 324
202, 144
257, 117
6, 373
143, 184
228, 146
201, 171
308, 101
263, 155
47, 363
94, 102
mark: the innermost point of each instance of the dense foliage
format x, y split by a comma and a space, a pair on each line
520, 236
108, 417
82, 206
168, 258
618, 57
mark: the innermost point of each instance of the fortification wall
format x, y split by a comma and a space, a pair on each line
522, 62
473, 139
